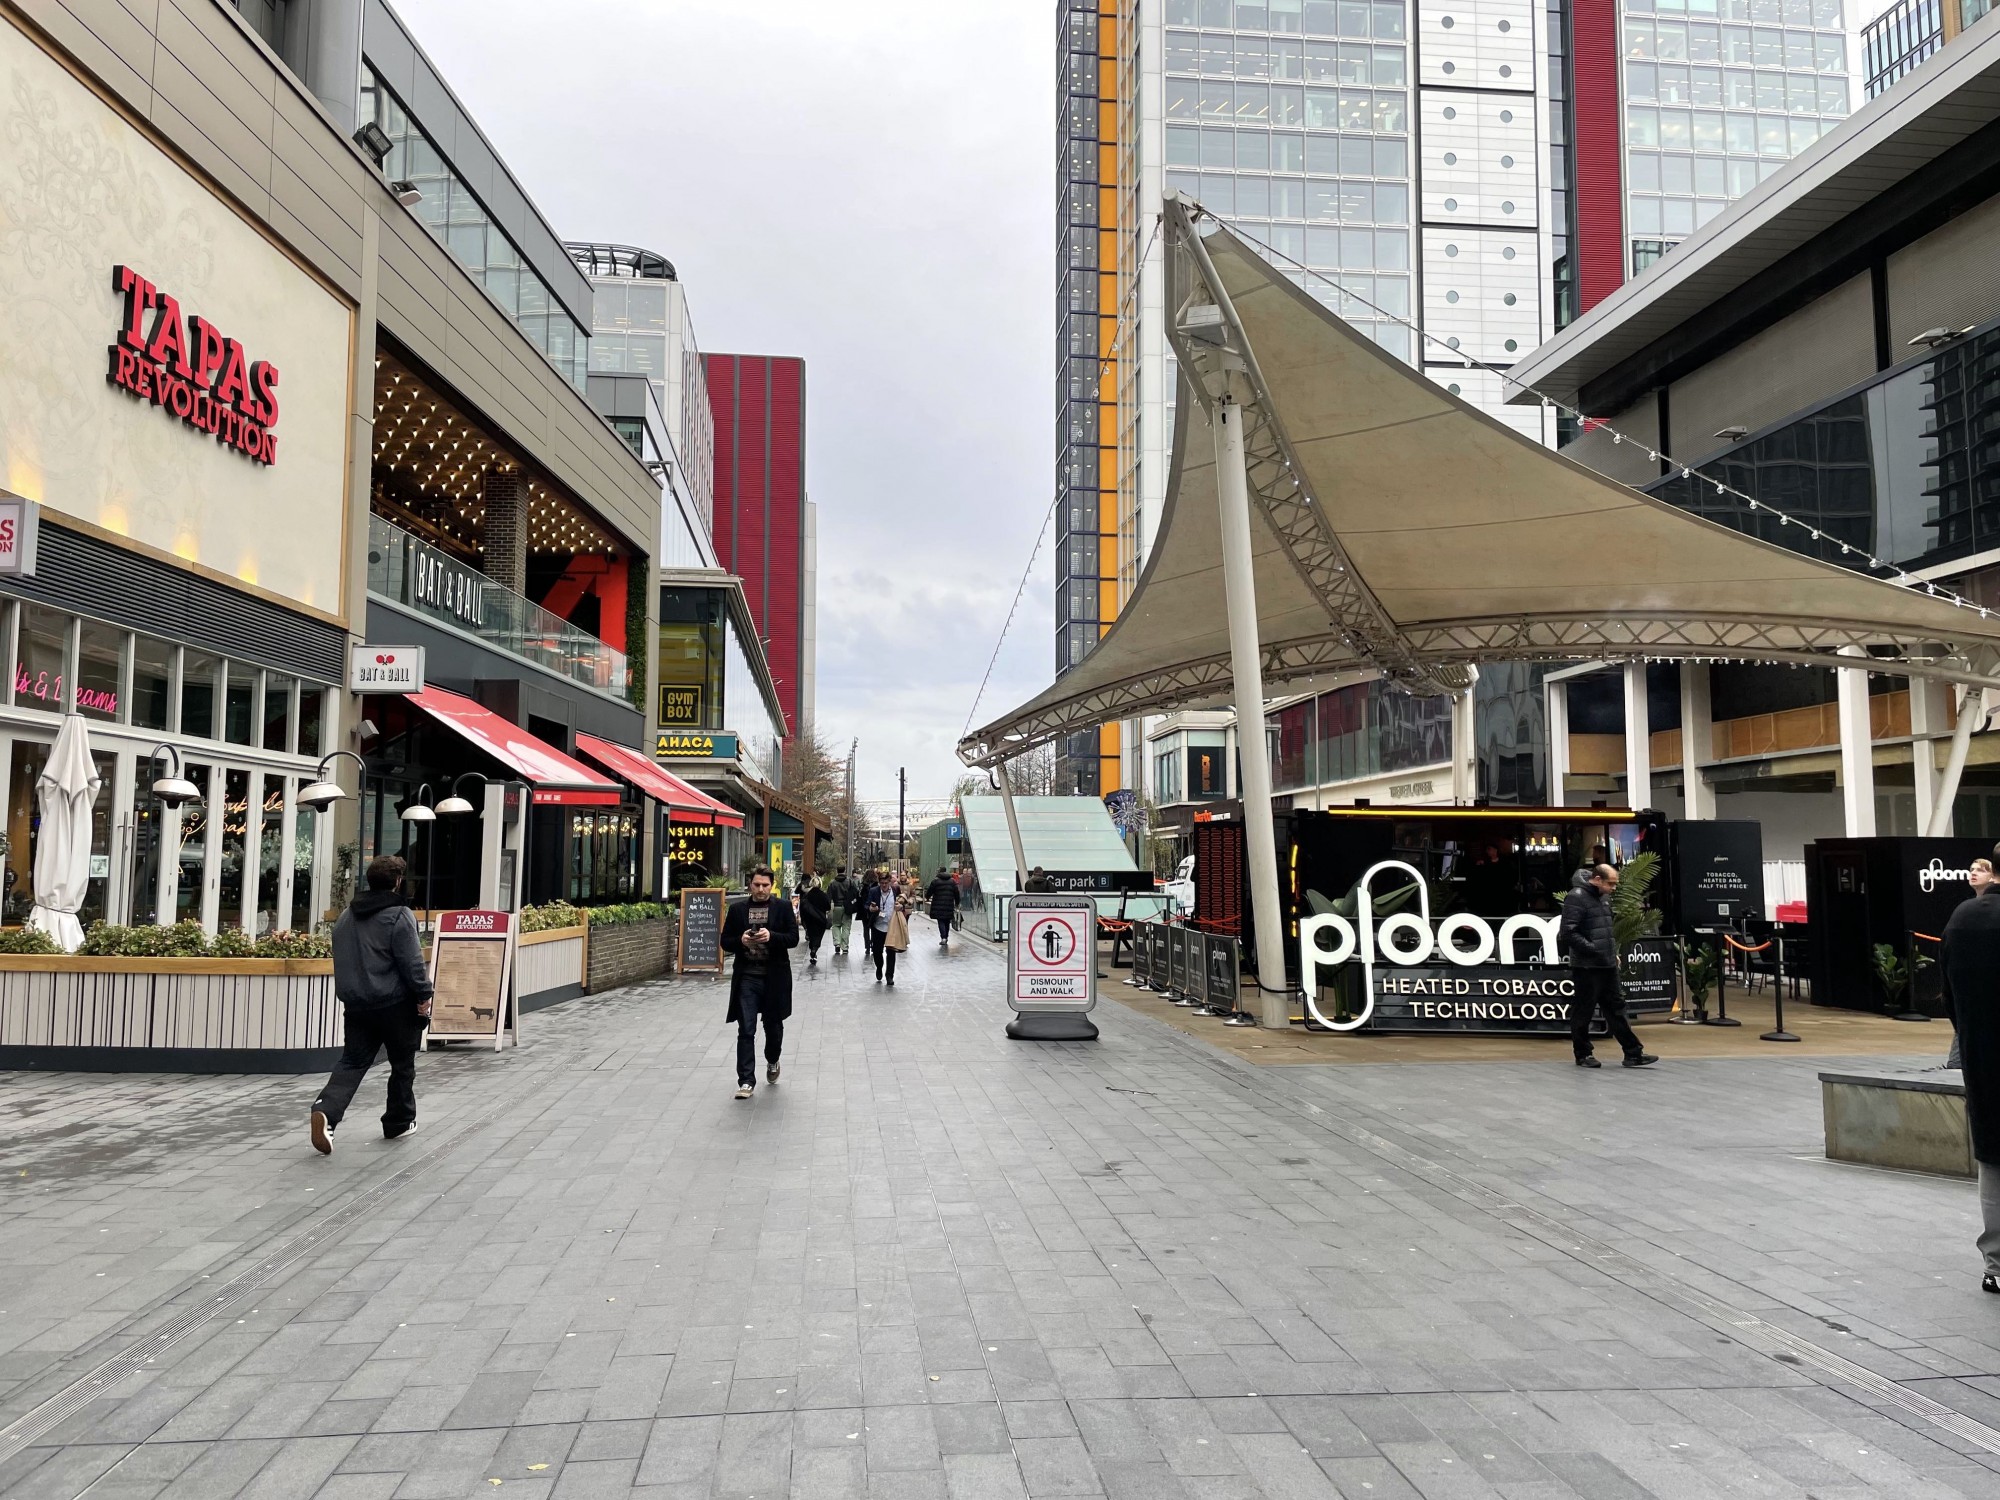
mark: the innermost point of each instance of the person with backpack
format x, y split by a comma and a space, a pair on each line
385, 990
1587, 940
842, 898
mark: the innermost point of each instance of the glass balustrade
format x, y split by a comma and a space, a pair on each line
422, 578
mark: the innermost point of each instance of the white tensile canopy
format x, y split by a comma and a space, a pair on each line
1395, 529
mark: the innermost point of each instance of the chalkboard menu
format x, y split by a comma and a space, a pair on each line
701, 929
472, 967
1219, 972
1182, 981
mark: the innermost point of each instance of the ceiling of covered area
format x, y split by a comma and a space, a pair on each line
430, 463
1398, 530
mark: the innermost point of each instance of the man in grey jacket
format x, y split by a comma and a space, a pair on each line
1587, 938
385, 990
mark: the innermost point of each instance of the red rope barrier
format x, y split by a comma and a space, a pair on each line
1744, 947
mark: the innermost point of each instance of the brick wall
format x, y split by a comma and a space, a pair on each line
629, 953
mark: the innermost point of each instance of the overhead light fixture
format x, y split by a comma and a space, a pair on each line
320, 795
1931, 338
407, 193
373, 139
1733, 434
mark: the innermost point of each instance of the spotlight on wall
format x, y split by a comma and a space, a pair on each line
1931, 338
1733, 434
407, 193
373, 139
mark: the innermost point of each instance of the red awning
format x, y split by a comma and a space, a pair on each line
552, 776
683, 803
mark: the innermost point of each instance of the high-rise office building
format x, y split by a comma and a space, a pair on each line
1391, 155
764, 527
1678, 107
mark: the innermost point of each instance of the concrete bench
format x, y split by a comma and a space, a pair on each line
1911, 1121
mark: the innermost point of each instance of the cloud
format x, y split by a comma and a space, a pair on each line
870, 187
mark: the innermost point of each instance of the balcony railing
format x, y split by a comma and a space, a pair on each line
419, 577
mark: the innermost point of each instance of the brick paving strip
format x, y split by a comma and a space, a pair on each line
932, 1262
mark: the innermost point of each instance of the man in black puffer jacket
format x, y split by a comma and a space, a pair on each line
385, 990
1587, 938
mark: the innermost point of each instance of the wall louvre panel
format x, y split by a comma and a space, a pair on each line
80, 573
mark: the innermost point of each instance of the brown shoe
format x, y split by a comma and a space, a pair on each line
322, 1134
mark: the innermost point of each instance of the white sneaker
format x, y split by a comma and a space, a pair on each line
322, 1134
404, 1133
745, 1090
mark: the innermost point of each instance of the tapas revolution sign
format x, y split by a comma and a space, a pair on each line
472, 966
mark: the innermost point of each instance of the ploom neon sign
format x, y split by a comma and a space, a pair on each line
1407, 938
188, 367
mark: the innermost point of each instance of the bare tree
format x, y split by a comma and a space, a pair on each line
1033, 772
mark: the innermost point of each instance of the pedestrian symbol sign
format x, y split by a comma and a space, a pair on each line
1053, 953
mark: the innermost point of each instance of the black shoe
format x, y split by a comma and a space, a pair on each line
1588, 1062
1990, 1283
1642, 1060
812, 961
771, 1073
892, 984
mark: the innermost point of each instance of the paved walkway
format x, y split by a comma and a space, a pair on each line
932, 1262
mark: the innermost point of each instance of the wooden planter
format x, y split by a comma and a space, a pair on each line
168, 1015
550, 967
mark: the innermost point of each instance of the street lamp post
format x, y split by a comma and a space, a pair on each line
420, 811
455, 806
171, 792
321, 793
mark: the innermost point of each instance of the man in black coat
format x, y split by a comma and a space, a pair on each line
1587, 938
1972, 994
760, 930
942, 894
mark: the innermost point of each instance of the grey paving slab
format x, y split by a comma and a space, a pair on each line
935, 1263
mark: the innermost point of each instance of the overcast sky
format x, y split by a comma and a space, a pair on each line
871, 187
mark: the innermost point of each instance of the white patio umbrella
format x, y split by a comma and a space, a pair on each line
66, 790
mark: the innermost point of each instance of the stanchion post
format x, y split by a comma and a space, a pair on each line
1910, 1011
1778, 1033
1721, 1016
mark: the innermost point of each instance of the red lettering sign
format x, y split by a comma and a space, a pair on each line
190, 369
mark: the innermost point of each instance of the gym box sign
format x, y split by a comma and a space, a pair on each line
189, 368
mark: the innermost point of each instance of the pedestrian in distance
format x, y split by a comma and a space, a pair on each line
1586, 938
815, 913
385, 996
943, 896
843, 896
1039, 882
761, 932
1972, 996
878, 910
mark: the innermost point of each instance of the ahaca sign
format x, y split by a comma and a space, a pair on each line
189, 368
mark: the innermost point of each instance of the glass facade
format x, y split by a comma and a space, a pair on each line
1907, 468
1293, 120
1895, 42
462, 224
1367, 729
1719, 95
699, 650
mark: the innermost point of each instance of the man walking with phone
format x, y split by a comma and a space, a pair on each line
760, 930
385, 994
1587, 938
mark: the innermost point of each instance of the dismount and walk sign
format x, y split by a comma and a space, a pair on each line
1052, 967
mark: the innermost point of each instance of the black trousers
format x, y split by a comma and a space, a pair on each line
944, 931
749, 1005
398, 1031
878, 944
814, 936
1597, 989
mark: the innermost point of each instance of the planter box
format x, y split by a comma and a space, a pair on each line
549, 966
630, 952
1913, 1122
168, 1015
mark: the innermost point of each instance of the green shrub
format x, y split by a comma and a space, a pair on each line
187, 940
26, 940
550, 915
296, 945
626, 914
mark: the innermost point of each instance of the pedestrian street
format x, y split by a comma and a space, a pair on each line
932, 1262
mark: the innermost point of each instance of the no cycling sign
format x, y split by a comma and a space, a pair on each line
1052, 959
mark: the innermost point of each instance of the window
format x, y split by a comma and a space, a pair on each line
41, 658
100, 670
152, 682
198, 674
240, 706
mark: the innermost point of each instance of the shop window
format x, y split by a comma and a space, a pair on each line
235, 868
191, 847
41, 658
198, 673
100, 670
271, 854
312, 706
277, 711
23, 819
240, 706
146, 818
305, 838
152, 682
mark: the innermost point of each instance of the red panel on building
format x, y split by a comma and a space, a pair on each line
759, 404
1599, 189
